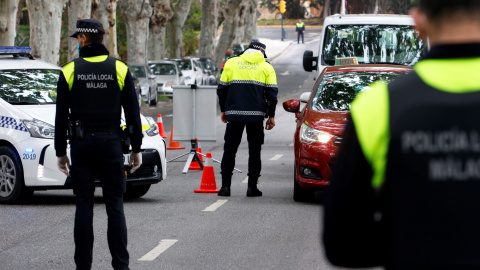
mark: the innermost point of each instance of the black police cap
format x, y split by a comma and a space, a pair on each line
88, 26
257, 45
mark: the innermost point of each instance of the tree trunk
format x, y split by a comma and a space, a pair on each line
105, 11
162, 12
326, 9
77, 10
137, 17
45, 18
251, 21
208, 32
8, 22
240, 28
175, 28
228, 31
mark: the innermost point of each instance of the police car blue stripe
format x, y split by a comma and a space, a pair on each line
12, 123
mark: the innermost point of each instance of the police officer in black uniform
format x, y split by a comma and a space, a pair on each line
404, 192
91, 92
247, 94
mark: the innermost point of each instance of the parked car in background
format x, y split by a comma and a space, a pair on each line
210, 76
148, 83
138, 88
191, 69
237, 49
320, 124
228, 54
167, 74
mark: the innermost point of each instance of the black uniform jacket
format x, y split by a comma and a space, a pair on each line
354, 233
129, 103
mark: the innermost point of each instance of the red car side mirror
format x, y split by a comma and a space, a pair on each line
292, 105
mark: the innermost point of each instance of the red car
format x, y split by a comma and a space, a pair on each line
320, 123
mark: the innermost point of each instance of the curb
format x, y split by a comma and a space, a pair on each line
281, 53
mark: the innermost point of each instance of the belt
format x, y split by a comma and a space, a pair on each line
102, 129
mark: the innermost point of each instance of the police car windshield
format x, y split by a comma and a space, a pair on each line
394, 44
29, 86
336, 91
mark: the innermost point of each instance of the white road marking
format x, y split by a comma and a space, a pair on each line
276, 157
245, 181
154, 253
214, 206
285, 73
291, 144
169, 115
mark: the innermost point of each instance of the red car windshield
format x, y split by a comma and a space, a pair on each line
336, 91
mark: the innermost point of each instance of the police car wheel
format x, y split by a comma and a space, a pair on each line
12, 187
135, 192
301, 194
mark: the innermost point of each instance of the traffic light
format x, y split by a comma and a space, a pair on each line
282, 6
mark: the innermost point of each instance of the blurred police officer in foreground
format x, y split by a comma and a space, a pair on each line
91, 92
247, 94
405, 190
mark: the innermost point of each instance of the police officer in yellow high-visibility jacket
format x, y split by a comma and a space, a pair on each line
91, 91
405, 190
247, 94
300, 29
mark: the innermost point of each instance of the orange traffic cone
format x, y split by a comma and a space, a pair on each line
194, 165
199, 150
173, 145
208, 184
160, 126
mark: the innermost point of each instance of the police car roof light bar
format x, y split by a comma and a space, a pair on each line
16, 51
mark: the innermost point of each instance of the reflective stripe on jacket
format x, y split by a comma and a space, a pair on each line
248, 90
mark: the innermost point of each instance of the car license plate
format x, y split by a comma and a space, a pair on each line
126, 159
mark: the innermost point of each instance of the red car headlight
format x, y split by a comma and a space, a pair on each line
310, 135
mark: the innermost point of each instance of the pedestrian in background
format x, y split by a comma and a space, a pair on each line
91, 92
404, 190
300, 28
247, 94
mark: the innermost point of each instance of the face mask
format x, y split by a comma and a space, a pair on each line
78, 48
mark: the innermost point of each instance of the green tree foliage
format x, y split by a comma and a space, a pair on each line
191, 30
295, 9
121, 36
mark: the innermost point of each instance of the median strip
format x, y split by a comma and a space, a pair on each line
215, 206
276, 157
154, 253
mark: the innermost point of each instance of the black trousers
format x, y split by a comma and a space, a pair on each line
99, 156
299, 33
233, 137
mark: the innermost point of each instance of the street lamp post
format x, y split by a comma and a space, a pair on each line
282, 10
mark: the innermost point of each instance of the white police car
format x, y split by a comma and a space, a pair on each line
27, 115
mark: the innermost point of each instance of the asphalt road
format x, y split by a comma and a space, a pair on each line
172, 227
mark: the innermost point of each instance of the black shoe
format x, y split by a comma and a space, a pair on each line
253, 192
224, 191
